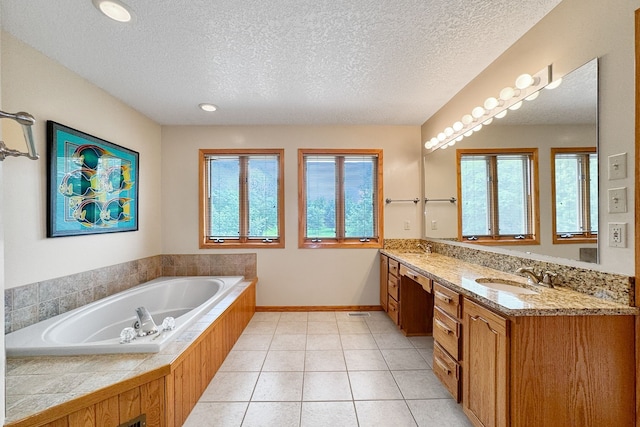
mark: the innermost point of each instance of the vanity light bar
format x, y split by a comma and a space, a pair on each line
526, 87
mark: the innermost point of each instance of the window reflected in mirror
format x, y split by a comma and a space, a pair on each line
574, 174
497, 190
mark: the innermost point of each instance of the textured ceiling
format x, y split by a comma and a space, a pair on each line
278, 61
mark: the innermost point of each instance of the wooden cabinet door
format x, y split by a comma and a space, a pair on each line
384, 273
484, 370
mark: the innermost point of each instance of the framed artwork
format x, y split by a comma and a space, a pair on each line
92, 184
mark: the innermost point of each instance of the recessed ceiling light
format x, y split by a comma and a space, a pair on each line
113, 9
208, 107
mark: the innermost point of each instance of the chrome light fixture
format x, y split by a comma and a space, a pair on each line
526, 88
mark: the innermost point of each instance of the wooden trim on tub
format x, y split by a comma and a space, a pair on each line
319, 308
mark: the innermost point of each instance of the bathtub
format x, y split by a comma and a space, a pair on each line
95, 328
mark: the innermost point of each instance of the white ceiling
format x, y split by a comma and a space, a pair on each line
279, 61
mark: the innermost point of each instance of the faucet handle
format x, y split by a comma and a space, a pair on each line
548, 278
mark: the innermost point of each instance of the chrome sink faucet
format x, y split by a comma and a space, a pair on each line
426, 248
545, 279
145, 324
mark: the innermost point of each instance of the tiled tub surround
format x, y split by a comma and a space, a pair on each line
460, 276
28, 304
41, 390
609, 286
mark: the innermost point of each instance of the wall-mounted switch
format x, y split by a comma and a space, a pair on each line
618, 200
407, 225
618, 234
434, 225
618, 166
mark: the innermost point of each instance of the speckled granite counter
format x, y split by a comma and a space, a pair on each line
460, 276
35, 384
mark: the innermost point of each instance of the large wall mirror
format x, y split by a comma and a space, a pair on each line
557, 121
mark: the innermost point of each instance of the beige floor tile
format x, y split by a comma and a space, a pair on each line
230, 387
422, 342
266, 316
358, 342
438, 412
214, 414
381, 326
365, 360
294, 316
324, 360
353, 327
260, 328
422, 384
404, 358
376, 413
289, 360
392, 340
253, 342
373, 385
244, 360
289, 342
326, 386
291, 328
324, 342
264, 414
322, 327
328, 414
278, 387
322, 316
345, 316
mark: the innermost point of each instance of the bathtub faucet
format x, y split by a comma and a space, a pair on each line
145, 324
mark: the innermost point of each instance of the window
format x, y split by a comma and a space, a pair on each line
241, 198
574, 195
498, 196
340, 198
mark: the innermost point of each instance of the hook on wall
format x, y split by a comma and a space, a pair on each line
26, 120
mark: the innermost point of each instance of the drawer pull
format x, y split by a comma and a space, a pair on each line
443, 297
443, 326
442, 365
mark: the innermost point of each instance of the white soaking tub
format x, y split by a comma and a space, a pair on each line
95, 328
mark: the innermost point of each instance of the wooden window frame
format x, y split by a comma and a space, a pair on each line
586, 236
340, 241
533, 238
243, 241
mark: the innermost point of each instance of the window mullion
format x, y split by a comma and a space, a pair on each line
493, 196
244, 198
586, 197
340, 196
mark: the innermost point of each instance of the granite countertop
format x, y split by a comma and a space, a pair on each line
460, 276
35, 384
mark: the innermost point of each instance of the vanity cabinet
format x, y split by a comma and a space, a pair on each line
384, 277
547, 370
447, 332
485, 373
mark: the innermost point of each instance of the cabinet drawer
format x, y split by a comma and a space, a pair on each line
393, 267
446, 331
394, 310
447, 370
413, 275
447, 300
393, 287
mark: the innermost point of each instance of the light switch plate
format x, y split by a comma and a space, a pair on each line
617, 200
618, 166
617, 235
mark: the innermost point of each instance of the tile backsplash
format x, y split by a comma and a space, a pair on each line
610, 286
28, 304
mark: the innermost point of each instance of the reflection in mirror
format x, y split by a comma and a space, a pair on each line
563, 117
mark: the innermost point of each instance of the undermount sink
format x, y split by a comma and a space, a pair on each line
505, 286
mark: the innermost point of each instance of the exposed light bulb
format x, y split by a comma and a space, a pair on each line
458, 126
460, 138
516, 106
207, 107
554, 84
434, 141
524, 81
501, 114
442, 136
507, 93
533, 96
477, 112
467, 119
477, 128
491, 103
488, 121
452, 143
444, 147
448, 131
113, 9
468, 133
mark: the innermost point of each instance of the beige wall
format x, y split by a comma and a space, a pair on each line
573, 33
293, 276
32, 82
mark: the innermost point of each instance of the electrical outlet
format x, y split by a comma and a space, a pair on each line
617, 234
618, 200
434, 225
407, 225
618, 166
